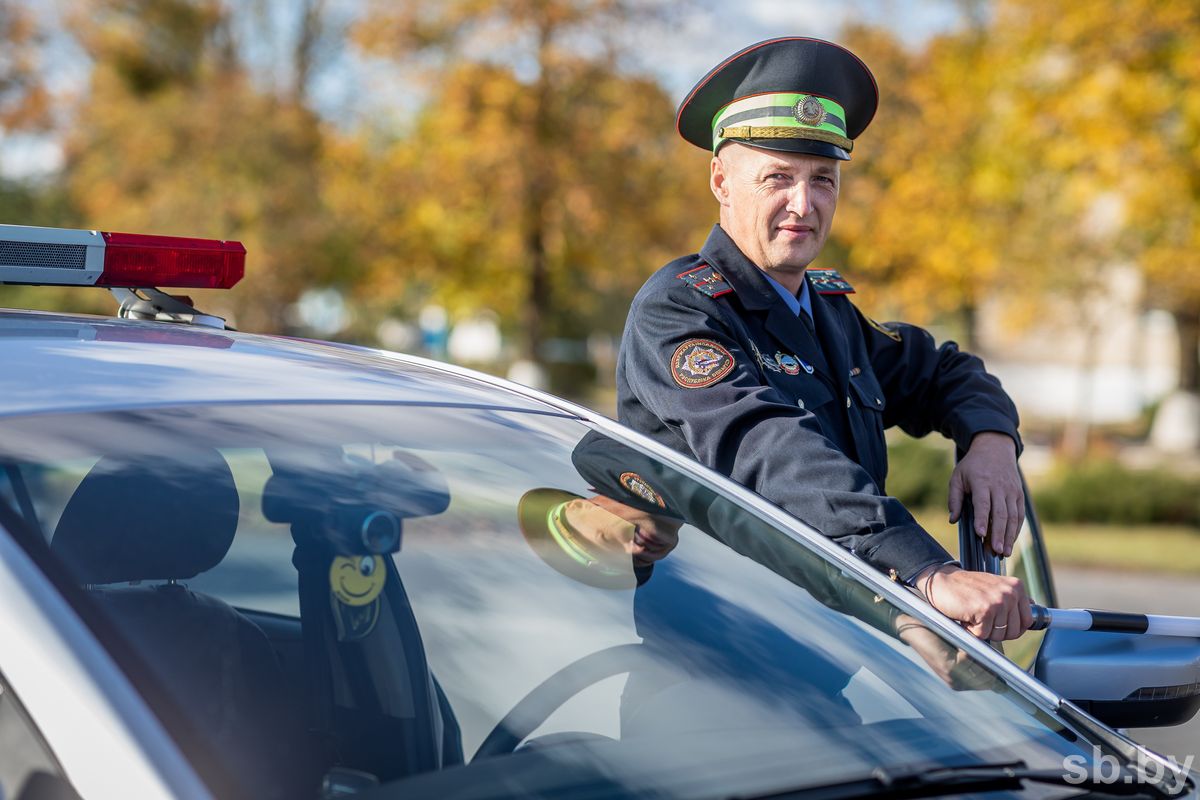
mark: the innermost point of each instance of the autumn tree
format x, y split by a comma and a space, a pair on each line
925, 208
24, 99
176, 137
1094, 102
26, 112
539, 179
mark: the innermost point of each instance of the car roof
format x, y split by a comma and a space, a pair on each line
56, 363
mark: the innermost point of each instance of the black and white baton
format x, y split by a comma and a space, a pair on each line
1082, 619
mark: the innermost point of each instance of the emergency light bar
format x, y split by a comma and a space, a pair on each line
62, 257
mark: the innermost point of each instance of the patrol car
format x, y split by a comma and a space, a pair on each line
235, 565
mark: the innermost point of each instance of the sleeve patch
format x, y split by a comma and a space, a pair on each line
705, 279
700, 362
884, 328
828, 281
635, 484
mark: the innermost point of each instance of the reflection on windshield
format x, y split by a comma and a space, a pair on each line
383, 591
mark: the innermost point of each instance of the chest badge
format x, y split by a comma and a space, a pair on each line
791, 364
700, 362
763, 361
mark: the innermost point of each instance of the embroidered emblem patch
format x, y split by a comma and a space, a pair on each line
635, 484
828, 281
707, 280
884, 329
700, 362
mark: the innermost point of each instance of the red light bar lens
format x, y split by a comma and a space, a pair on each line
135, 260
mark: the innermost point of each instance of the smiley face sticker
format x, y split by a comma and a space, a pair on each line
357, 580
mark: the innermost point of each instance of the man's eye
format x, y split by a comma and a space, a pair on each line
823, 179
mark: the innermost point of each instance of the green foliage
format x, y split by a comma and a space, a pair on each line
919, 471
1108, 492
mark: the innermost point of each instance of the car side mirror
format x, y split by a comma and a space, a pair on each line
1125, 680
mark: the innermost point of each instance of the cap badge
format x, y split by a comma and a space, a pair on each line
809, 111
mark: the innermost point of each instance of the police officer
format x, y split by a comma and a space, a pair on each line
764, 370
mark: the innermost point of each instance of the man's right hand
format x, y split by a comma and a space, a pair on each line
992, 607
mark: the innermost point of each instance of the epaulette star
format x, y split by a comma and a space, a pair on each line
828, 281
705, 279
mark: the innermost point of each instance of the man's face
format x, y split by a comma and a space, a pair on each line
777, 207
622, 530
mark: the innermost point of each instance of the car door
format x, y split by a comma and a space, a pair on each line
27, 765
1028, 562
73, 721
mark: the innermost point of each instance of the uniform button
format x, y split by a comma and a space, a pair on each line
847, 401
800, 402
878, 401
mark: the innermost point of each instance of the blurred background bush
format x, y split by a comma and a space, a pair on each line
1106, 491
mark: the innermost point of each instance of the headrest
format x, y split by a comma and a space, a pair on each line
149, 518
339, 496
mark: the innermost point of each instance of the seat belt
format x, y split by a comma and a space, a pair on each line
312, 565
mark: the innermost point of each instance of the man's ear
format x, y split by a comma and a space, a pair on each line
716, 180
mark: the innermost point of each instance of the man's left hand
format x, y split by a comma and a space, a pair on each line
988, 473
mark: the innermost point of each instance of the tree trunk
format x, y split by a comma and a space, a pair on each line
1187, 321
1077, 432
304, 54
1176, 427
539, 281
537, 190
970, 326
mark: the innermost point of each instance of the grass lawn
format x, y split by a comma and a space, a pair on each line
1144, 548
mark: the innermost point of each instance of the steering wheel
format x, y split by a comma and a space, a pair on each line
536, 707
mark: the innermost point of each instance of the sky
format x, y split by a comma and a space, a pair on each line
718, 28
678, 53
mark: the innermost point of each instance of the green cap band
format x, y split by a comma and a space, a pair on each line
782, 115
560, 529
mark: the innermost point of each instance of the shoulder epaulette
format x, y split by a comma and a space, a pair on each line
828, 281
705, 279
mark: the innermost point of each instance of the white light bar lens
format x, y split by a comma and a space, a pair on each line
50, 256
59, 257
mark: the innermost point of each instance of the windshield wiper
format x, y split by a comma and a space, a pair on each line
940, 781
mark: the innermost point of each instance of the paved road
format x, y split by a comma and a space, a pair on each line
1151, 594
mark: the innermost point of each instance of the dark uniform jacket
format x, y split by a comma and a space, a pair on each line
715, 365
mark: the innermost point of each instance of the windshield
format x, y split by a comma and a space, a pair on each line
361, 594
